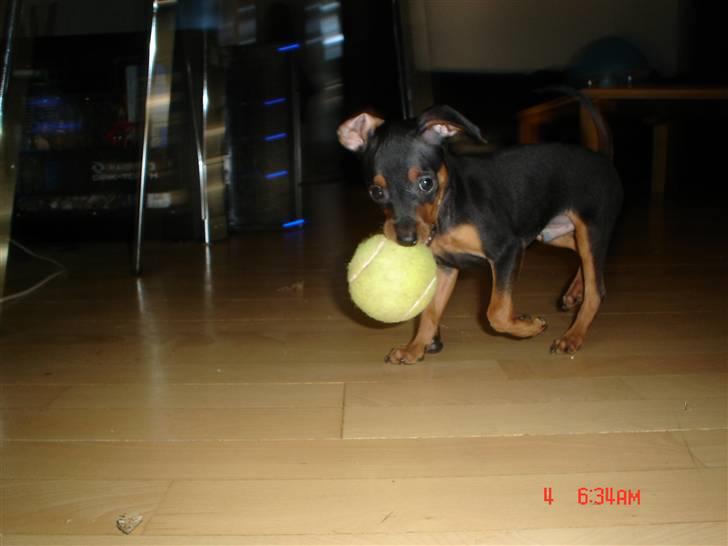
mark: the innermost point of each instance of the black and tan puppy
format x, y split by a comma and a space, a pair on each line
488, 209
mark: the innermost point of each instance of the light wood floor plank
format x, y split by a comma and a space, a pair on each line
463, 392
322, 395
29, 396
670, 534
433, 505
679, 386
350, 458
172, 424
363, 368
620, 365
233, 343
577, 417
76, 506
709, 447
382, 392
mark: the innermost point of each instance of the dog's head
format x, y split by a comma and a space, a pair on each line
404, 166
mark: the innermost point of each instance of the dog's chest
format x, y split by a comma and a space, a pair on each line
460, 241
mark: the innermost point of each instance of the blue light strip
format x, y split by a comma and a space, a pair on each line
276, 174
289, 47
294, 223
271, 102
277, 136
55, 126
47, 102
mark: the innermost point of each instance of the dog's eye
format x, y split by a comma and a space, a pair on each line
377, 193
426, 184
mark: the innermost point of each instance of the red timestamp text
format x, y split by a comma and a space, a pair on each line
600, 496
608, 496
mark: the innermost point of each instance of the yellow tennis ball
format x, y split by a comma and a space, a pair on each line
391, 282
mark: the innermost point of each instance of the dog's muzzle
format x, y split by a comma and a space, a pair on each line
406, 231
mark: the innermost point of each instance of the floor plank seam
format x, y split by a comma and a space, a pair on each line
294, 438
380, 477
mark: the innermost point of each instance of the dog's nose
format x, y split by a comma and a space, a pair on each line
407, 239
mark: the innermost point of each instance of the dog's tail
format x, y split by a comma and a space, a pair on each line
603, 133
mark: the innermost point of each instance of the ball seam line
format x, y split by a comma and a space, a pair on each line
419, 299
369, 260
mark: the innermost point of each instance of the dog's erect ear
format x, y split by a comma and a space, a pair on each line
441, 122
354, 132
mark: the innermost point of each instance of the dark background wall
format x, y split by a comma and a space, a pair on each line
484, 57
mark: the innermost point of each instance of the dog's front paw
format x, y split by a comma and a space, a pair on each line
567, 344
528, 326
407, 355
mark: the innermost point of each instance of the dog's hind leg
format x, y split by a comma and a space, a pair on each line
501, 312
574, 294
591, 247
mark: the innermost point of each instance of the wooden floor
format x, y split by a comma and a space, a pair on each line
235, 397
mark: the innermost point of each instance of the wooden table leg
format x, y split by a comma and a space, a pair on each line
589, 133
528, 130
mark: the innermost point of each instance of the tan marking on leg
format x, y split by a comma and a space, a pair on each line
574, 336
503, 319
429, 320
